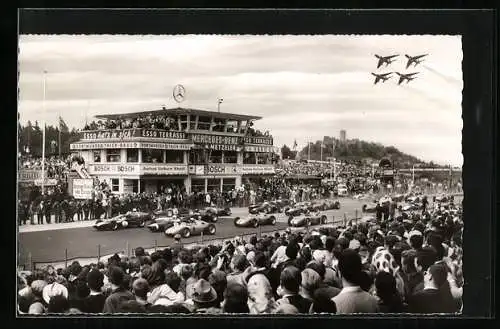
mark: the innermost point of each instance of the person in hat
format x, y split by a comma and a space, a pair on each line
204, 297
54, 289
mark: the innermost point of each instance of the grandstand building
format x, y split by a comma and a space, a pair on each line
201, 150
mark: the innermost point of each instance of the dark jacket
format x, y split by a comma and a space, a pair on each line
93, 304
115, 299
430, 301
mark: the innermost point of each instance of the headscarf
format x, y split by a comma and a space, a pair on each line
260, 295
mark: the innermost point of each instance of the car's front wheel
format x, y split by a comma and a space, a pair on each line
211, 229
255, 223
115, 226
186, 233
214, 219
125, 223
323, 219
142, 224
272, 220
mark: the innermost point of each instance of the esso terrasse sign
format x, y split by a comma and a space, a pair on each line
131, 133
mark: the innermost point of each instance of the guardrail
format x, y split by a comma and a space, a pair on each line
128, 249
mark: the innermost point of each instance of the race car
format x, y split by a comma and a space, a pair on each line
370, 208
189, 227
130, 219
218, 211
414, 206
307, 219
398, 197
442, 198
326, 205
255, 220
264, 207
162, 223
299, 209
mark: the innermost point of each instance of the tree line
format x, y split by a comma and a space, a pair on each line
353, 150
30, 139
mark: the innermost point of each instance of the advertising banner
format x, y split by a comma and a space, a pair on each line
131, 133
258, 140
113, 169
164, 169
256, 169
30, 175
214, 139
129, 145
222, 169
48, 182
82, 188
259, 149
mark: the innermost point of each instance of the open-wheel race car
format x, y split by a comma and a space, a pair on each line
217, 211
410, 206
255, 220
270, 207
309, 219
322, 205
190, 226
298, 209
130, 219
160, 224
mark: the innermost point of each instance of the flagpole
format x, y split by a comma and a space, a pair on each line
309, 151
43, 132
59, 142
321, 152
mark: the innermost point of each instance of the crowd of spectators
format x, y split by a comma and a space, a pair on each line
403, 264
157, 121
56, 167
160, 121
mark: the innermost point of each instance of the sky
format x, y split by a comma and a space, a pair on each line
304, 87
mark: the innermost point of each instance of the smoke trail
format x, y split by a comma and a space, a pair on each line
447, 78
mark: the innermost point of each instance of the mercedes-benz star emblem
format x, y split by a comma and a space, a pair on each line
179, 93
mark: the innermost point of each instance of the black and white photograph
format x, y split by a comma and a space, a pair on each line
250, 174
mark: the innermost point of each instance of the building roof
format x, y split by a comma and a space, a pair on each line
179, 111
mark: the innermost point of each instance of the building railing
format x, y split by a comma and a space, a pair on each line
201, 136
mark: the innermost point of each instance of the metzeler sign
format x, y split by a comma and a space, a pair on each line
130, 133
129, 145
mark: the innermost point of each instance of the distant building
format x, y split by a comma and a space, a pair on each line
342, 136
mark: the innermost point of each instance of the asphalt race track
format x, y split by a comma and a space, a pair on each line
51, 245
47, 246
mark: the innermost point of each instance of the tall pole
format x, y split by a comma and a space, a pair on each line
59, 139
219, 101
321, 152
413, 175
43, 132
309, 151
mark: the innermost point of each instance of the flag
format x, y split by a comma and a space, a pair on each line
62, 125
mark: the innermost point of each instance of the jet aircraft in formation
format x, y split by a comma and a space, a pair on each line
387, 60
